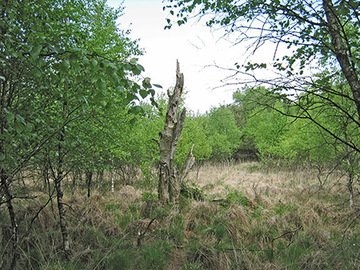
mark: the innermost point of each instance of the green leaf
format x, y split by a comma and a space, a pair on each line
143, 93
157, 85
140, 67
136, 71
36, 51
73, 58
100, 84
115, 78
94, 78
81, 98
136, 110
146, 83
76, 49
20, 119
9, 116
135, 88
66, 63
98, 98
18, 127
129, 98
120, 89
2, 78
153, 102
133, 60
180, 22
94, 62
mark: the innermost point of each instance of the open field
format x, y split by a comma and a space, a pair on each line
250, 216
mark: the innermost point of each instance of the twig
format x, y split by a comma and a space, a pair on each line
293, 232
142, 235
351, 223
290, 232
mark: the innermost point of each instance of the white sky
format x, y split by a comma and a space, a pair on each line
197, 48
193, 44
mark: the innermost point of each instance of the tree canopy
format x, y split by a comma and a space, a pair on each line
67, 74
318, 41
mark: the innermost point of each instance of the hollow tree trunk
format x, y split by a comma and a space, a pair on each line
169, 177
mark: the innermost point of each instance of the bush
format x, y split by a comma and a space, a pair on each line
192, 191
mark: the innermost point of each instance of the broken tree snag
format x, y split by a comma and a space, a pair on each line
169, 178
188, 164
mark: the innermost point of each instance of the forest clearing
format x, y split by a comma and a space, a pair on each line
100, 168
231, 216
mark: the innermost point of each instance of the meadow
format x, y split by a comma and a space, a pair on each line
231, 216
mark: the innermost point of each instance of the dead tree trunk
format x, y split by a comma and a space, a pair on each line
169, 177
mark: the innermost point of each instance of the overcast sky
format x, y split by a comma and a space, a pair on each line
196, 47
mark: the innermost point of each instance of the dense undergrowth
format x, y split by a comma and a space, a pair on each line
247, 217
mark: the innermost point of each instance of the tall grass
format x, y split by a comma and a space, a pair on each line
252, 217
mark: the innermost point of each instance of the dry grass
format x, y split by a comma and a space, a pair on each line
267, 218
255, 179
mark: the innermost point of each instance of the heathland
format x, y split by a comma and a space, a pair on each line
231, 216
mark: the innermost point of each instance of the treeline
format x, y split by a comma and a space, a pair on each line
258, 125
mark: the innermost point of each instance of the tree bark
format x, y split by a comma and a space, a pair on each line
89, 176
169, 178
343, 54
10, 256
13, 252
59, 191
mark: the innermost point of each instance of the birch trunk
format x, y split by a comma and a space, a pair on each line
342, 52
59, 191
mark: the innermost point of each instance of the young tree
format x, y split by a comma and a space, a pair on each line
222, 133
62, 63
193, 134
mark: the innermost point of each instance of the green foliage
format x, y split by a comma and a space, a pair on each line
281, 209
292, 254
146, 196
120, 259
112, 207
192, 191
193, 134
220, 231
268, 129
177, 229
236, 197
68, 79
222, 132
319, 34
192, 266
155, 256
276, 128
300, 25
